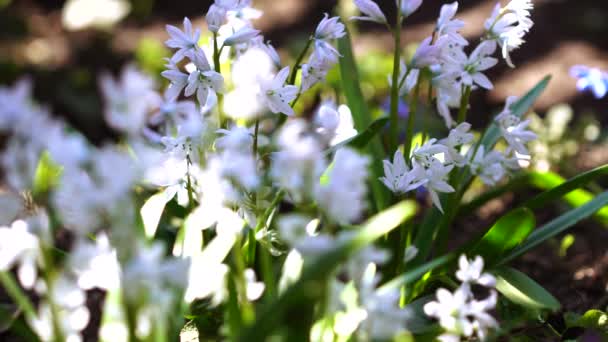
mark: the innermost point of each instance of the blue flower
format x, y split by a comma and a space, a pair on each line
590, 79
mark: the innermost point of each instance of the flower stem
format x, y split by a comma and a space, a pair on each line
294, 70
411, 118
251, 241
14, 291
394, 116
464, 105
218, 68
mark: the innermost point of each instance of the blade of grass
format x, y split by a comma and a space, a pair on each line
557, 226
356, 102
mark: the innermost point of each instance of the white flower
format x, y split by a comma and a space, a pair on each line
329, 28
203, 80
240, 167
449, 93
95, 264
509, 25
451, 310
14, 103
429, 53
128, 100
398, 177
335, 125
178, 79
315, 71
488, 166
471, 271
448, 26
479, 61
513, 130
185, 42
18, 246
427, 153
343, 195
277, 95
436, 176
458, 136
299, 162
236, 138
370, 10
410, 81
409, 6
70, 311
215, 18
254, 288
242, 36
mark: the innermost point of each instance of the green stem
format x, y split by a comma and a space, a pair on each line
430, 105
294, 70
218, 68
254, 197
14, 291
411, 118
464, 105
394, 115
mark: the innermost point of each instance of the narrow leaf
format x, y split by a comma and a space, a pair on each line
557, 226
570, 190
360, 112
415, 273
522, 290
508, 232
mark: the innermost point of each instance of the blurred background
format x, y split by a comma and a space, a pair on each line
64, 45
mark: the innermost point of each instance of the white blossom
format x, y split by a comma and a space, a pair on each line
342, 197
409, 6
370, 10
399, 178
276, 95
203, 80
471, 271
185, 41
508, 26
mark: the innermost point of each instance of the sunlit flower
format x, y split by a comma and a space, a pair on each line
204, 81
343, 195
185, 41
399, 178
471, 271
277, 95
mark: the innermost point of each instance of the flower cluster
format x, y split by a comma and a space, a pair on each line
459, 312
218, 159
455, 75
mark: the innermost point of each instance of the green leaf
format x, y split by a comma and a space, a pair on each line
519, 108
508, 232
349, 78
521, 289
415, 273
311, 284
558, 187
557, 226
362, 139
